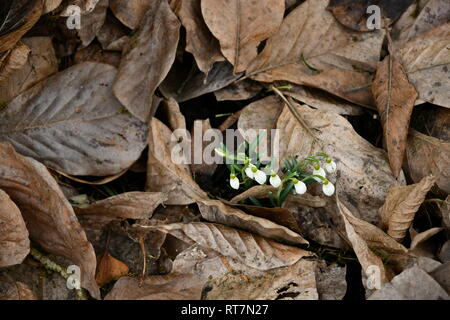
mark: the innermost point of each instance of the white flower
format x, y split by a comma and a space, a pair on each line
300, 186
234, 182
274, 180
318, 171
330, 165
250, 171
328, 188
260, 177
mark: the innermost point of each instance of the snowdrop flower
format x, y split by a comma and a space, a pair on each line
250, 171
330, 165
300, 186
260, 176
328, 188
234, 182
274, 180
318, 171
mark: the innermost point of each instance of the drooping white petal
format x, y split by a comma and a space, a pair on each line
260, 177
319, 172
249, 173
300, 187
331, 167
328, 188
275, 181
234, 183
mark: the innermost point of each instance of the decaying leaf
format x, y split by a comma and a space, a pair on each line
148, 59
19, 291
130, 205
242, 90
49, 217
395, 98
402, 203
201, 130
252, 250
50, 5
218, 212
73, 123
311, 48
13, 61
130, 12
14, 242
426, 156
109, 269
163, 174
241, 25
92, 22
199, 40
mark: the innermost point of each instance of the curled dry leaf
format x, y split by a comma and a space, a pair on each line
402, 203
218, 212
14, 242
148, 59
19, 291
199, 40
40, 64
109, 269
50, 219
311, 48
13, 61
163, 174
420, 238
241, 25
428, 155
73, 123
259, 192
20, 16
92, 22
427, 63
50, 5
202, 129
130, 12
395, 98
252, 250
130, 205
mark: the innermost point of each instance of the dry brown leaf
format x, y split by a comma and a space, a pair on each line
259, 192
252, 250
395, 98
109, 269
14, 61
366, 257
113, 36
130, 12
218, 212
204, 128
20, 16
50, 5
311, 48
19, 291
94, 53
242, 90
427, 63
82, 132
241, 25
199, 40
14, 242
420, 238
130, 205
174, 116
402, 203
148, 59
41, 63
163, 174
92, 22
50, 219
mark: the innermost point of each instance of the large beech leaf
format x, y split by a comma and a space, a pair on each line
148, 59
14, 242
311, 48
252, 250
240, 25
49, 217
395, 98
402, 203
72, 122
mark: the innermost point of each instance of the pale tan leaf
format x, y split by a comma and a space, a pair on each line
14, 242
428, 155
148, 59
163, 174
130, 205
259, 192
130, 12
202, 162
14, 61
241, 25
199, 40
218, 212
109, 269
311, 48
49, 217
252, 250
50, 5
83, 132
402, 203
420, 238
395, 98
